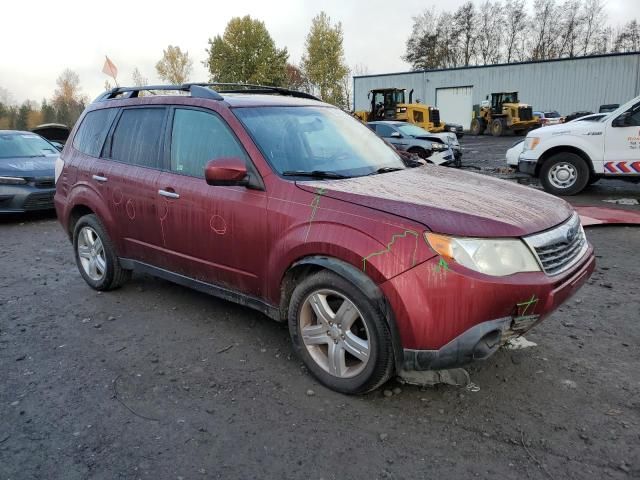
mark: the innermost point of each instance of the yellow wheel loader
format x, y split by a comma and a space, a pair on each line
389, 104
501, 114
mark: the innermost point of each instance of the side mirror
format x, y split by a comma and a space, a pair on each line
621, 121
226, 171
396, 135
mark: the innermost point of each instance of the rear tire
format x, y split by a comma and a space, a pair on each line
339, 334
497, 127
95, 255
564, 173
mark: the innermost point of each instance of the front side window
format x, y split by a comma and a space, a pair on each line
412, 130
198, 137
93, 131
138, 138
316, 139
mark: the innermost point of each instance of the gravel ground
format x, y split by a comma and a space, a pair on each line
157, 381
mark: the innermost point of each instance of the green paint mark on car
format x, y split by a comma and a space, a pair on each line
525, 305
394, 237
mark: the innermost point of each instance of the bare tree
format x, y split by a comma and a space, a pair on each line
593, 33
545, 26
464, 25
516, 22
489, 36
570, 28
138, 79
628, 40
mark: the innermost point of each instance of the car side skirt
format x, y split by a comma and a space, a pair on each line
270, 311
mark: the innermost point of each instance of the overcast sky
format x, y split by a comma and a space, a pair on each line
40, 38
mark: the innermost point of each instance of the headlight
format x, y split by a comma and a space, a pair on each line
531, 142
12, 181
439, 146
452, 129
492, 256
401, 110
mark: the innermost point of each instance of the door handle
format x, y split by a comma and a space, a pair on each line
168, 194
99, 178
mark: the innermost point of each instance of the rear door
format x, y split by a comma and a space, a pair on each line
622, 145
216, 234
134, 151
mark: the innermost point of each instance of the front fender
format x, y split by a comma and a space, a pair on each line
571, 141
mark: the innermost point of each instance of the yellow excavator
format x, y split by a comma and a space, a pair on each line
501, 114
389, 104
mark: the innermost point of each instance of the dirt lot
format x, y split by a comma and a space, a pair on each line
157, 381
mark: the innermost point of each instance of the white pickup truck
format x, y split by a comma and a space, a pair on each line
568, 157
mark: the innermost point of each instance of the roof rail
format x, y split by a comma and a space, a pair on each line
202, 90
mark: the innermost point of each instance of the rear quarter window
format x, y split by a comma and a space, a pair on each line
93, 131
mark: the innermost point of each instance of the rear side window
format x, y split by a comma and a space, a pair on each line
93, 130
138, 137
198, 137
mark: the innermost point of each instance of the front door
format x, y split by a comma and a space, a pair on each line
622, 145
214, 234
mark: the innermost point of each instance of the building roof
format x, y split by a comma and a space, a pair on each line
623, 54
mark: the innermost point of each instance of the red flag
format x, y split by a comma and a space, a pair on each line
110, 68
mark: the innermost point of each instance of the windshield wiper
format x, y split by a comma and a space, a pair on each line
313, 173
387, 170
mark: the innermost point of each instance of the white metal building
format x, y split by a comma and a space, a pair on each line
566, 85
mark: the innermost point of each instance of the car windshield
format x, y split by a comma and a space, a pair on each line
551, 114
24, 145
412, 130
317, 139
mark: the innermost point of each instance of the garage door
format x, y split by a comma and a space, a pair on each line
455, 105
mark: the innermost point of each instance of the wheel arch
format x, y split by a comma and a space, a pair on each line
560, 149
315, 263
77, 211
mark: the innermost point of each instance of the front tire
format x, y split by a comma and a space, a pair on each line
421, 152
477, 126
96, 257
497, 127
564, 173
339, 334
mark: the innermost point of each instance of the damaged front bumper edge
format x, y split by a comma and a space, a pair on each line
477, 343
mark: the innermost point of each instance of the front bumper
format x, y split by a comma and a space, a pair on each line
448, 316
25, 198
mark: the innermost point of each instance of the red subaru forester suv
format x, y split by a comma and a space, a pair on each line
285, 204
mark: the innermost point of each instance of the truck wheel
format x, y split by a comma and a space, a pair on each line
497, 128
477, 126
340, 334
564, 173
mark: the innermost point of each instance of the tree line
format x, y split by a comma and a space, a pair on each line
503, 31
244, 53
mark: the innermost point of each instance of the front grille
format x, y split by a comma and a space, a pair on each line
37, 201
525, 113
560, 248
435, 116
45, 182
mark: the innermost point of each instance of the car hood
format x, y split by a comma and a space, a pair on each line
451, 201
28, 166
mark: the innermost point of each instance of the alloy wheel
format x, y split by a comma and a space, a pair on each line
335, 333
91, 254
